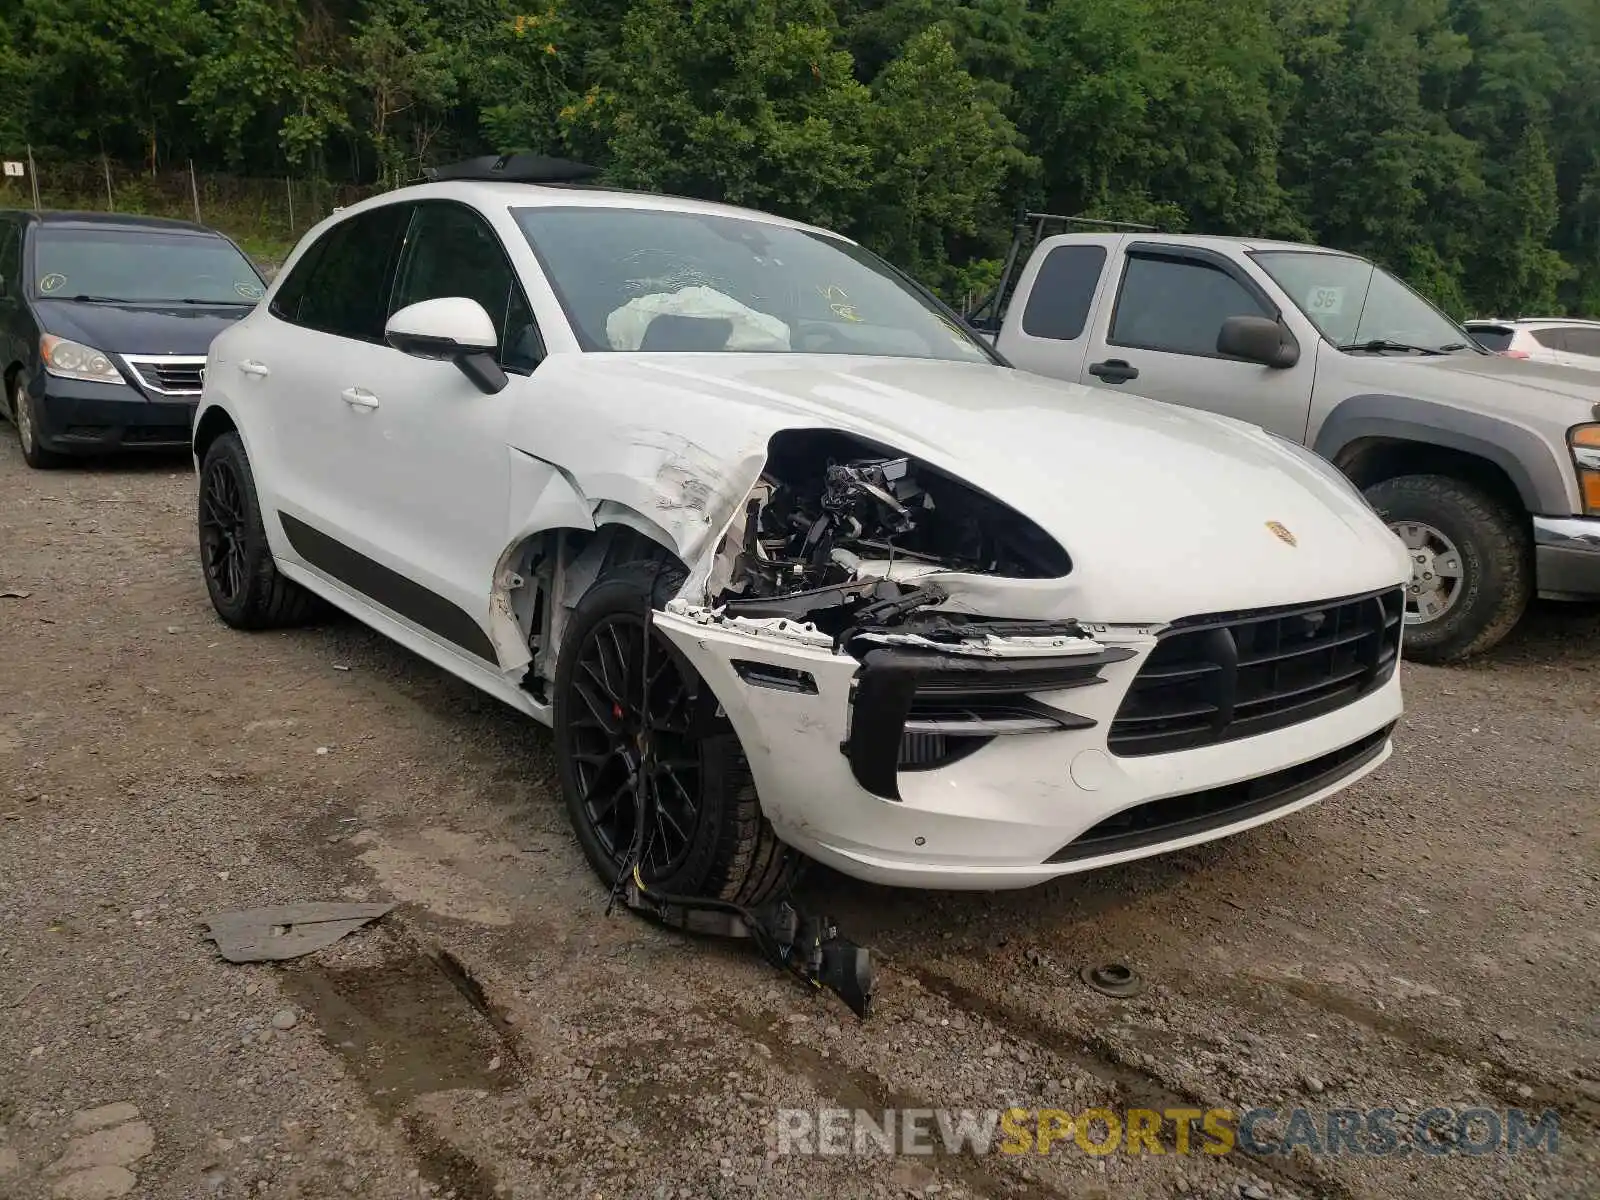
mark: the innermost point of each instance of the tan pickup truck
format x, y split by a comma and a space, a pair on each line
1487, 467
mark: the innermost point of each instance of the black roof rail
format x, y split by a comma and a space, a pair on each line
512, 168
1037, 224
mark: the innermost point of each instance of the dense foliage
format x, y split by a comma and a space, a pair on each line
1457, 141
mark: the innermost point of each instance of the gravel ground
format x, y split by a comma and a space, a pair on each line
1431, 937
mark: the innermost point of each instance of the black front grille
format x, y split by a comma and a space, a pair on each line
1218, 678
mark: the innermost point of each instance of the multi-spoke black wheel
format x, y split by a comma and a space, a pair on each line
241, 578
651, 775
630, 744
223, 531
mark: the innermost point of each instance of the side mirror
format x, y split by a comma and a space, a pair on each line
1259, 340
450, 329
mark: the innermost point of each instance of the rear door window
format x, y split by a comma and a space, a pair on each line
1178, 305
1058, 304
340, 285
1551, 339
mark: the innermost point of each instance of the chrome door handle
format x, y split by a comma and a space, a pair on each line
251, 367
359, 398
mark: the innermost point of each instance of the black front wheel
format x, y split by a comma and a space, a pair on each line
25, 416
650, 773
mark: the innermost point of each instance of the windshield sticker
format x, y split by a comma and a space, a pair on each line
1325, 301
839, 303
248, 290
52, 282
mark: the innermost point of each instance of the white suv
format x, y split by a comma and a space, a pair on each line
1565, 341
788, 558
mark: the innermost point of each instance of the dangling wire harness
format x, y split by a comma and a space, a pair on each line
807, 946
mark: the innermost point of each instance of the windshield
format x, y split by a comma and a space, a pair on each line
141, 265
1355, 304
642, 279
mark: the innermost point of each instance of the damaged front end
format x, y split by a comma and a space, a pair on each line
856, 553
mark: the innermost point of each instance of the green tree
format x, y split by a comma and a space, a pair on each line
946, 158
747, 101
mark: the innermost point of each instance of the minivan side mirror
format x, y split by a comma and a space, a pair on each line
1259, 340
450, 329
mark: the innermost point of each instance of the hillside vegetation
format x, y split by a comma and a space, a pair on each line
1457, 141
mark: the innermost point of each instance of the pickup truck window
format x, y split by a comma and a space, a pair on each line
1058, 304
1356, 305
1177, 306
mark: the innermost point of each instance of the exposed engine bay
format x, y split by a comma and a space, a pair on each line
837, 528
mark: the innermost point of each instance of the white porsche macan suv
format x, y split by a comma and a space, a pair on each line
788, 559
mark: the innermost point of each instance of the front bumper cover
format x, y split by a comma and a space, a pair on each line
78, 416
1001, 814
1567, 557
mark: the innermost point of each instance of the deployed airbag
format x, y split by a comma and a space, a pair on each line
626, 327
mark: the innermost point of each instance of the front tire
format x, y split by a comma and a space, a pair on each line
1471, 564
26, 419
241, 577
617, 734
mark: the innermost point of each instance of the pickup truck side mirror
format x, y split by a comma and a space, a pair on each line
1259, 340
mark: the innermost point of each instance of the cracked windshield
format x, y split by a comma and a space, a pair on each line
1357, 306
686, 282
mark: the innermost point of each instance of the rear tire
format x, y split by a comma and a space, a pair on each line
710, 838
1451, 525
241, 577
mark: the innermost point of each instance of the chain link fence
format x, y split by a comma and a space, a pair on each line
266, 216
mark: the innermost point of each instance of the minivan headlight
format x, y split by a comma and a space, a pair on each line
73, 360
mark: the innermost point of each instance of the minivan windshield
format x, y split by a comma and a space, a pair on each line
1358, 306
133, 266
632, 279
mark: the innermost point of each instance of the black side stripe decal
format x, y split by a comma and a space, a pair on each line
389, 588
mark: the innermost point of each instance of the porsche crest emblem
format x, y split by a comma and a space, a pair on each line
1282, 533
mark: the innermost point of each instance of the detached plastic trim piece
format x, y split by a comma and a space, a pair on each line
892, 678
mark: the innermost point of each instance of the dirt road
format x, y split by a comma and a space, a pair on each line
1431, 938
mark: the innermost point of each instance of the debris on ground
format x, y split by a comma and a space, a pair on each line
288, 930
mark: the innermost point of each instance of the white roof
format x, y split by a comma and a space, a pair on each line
534, 195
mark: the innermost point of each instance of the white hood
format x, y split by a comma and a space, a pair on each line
1164, 511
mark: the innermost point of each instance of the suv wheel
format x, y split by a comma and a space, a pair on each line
243, 581
631, 714
1470, 572
35, 455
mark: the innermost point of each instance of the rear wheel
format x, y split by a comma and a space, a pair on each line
243, 581
1471, 575
634, 720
